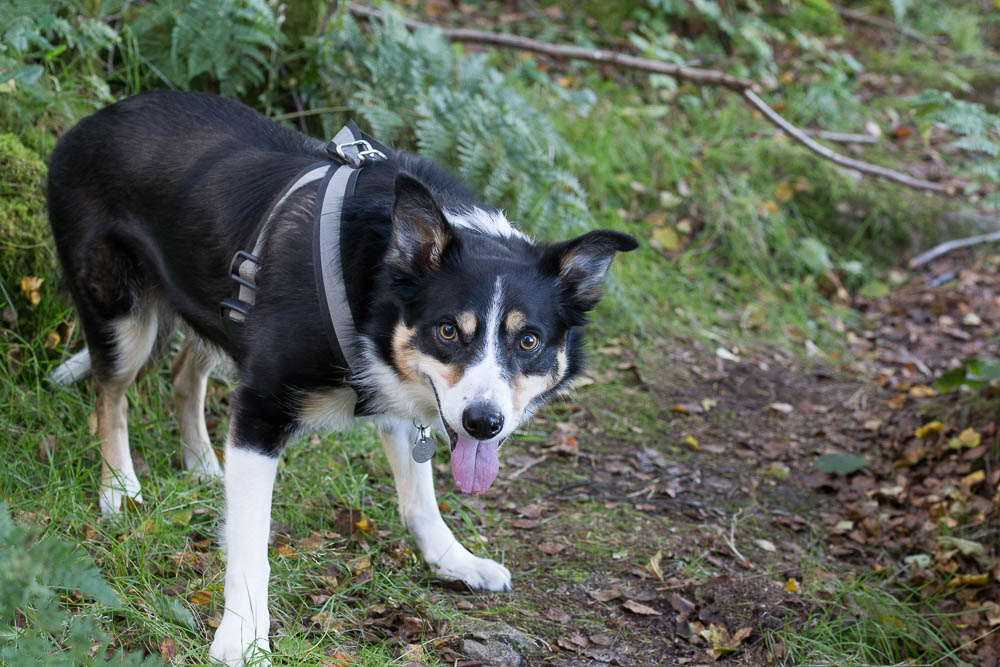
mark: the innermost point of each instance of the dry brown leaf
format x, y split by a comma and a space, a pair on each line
654, 565
201, 598
551, 548
639, 608
557, 615
605, 595
168, 649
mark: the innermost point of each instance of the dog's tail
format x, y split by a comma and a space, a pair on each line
72, 370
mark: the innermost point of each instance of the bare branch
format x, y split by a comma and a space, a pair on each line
837, 158
949, 246
697, 75
892, 26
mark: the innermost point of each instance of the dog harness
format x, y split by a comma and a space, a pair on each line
350, 151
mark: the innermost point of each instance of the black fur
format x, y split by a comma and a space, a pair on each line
150, 197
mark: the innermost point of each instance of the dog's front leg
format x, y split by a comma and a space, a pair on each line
418, 509
243, 631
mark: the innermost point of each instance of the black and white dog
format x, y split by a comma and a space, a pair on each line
463, 324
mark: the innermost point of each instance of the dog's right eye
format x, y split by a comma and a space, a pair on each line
447, 331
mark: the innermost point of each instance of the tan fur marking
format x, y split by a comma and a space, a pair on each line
445, 376
515, 321
411, 364
528, 387
467, 323
405, 357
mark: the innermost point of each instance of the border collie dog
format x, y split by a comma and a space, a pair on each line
464, 325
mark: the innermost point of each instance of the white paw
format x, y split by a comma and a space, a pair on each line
112, 498
238, 643
477, 573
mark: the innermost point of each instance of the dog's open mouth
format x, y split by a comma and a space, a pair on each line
474, 463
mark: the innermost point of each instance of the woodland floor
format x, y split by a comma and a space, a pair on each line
708, 467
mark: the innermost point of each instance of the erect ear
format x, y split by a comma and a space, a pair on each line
582, 263
419, 229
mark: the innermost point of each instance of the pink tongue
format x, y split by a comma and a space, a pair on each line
474, 464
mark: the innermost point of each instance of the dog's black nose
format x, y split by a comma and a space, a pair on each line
482, 420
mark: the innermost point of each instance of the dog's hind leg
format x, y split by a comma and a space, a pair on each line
190, 374
131, 339
419, 511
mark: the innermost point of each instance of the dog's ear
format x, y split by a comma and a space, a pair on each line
420, 232
581, 264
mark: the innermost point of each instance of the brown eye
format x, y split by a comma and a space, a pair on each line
529, 342
447, 331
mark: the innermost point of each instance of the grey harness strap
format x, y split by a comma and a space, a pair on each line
350, 150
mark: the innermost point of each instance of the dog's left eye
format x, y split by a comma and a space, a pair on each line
529, 342
447, 331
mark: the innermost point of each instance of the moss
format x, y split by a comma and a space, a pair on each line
22, 198
815, 16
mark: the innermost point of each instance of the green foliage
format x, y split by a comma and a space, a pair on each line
224, 45
977, 129
414, 89
49, 64
34, 626
973, 373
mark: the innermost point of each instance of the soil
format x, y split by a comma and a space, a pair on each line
673, 512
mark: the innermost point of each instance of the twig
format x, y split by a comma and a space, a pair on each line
884, 24
948, 246
732, 539
694, 74
837, 158
528, 466
842, 137
309, 112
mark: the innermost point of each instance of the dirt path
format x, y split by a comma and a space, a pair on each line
674, 510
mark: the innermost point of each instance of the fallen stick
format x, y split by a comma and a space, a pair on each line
892, 26
697, 75
948, 246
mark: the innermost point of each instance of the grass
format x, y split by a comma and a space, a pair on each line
861, 621
741, 278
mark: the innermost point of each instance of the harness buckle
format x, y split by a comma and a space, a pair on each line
364, 151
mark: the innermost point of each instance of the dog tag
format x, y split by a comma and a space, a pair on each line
423, 448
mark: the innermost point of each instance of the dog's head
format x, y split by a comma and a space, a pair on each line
489, 321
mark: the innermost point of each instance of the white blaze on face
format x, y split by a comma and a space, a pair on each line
475, 463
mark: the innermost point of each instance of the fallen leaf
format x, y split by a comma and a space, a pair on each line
551, 548
922, 391
897, 401
841, 463
970, 580
639, 608
792, 585
783, 192
766, 545
602, 639
967, 439
654, 565
168, 649
783, 408
52, 339
201, 598
557, 615
973, 478
179, 518
364, 525
692, 442
928, 428
605, 595
967, 547
360, 564
665, 238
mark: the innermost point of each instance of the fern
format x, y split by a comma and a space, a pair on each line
415, 90
977, 130
32, 574
230, 44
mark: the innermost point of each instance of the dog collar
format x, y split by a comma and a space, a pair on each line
350, 151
